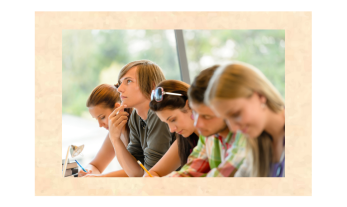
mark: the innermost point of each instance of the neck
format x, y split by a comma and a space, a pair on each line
224, 133
196, 132
142, 109
275, 125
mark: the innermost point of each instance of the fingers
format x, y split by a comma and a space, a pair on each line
120, 120
81, 173
122, 124
114, 121
115, 112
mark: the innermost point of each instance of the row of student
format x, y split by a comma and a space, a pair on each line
229, 122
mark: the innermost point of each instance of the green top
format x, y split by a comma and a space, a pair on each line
149, 139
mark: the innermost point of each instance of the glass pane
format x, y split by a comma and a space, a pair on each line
92, 57
262, 48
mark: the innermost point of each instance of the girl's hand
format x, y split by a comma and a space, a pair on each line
154, 174
81, 173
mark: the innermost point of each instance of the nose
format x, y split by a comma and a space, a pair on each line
105, 124
172, 128
120, 88
100, 123
232, 125
197, 122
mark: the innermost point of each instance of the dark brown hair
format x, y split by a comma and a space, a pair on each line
106, 96
149, 75
185, 145
197, 89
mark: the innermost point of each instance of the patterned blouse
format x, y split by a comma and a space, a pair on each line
214, 157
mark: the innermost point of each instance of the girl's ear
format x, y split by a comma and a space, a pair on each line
262, 98
187, 105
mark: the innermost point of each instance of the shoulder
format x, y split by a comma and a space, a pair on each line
210, 140
240, 139
153, 120
156, 127
202, 139
151, 115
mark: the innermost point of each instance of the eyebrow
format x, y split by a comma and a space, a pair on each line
125, 78
168, 118
229, 112
98, 116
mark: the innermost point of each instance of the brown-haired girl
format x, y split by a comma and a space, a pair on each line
101, 102
169, 101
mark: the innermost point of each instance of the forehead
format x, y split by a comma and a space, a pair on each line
130, 74
166, 113
201, 108
97, 110
230, 104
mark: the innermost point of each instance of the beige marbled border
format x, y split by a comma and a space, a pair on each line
48, 103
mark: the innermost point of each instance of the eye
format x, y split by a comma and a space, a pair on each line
237, 114
173, 120
128, 81
103, 117
207, 117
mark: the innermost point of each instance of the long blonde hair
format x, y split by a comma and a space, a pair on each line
237, 80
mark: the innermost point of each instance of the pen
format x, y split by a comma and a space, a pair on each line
144, 168
80, 166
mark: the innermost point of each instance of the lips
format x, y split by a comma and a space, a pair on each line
180, 132
123, 97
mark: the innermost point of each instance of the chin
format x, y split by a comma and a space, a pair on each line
186, 135
253, 135
129, 104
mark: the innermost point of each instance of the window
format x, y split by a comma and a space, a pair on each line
262, 48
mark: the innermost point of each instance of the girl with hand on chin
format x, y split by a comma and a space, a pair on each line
101, 102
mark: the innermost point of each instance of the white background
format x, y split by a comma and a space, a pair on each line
17, 62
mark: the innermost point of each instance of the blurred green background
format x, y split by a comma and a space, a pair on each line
92, 57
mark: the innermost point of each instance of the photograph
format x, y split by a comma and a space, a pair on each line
173, 103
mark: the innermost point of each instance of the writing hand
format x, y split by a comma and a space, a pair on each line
81, 173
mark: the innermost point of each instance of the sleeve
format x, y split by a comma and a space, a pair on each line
234, 160
197, 165
134, 146
158, 141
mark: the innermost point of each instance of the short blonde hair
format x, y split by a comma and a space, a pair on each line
149, 75
237, 80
